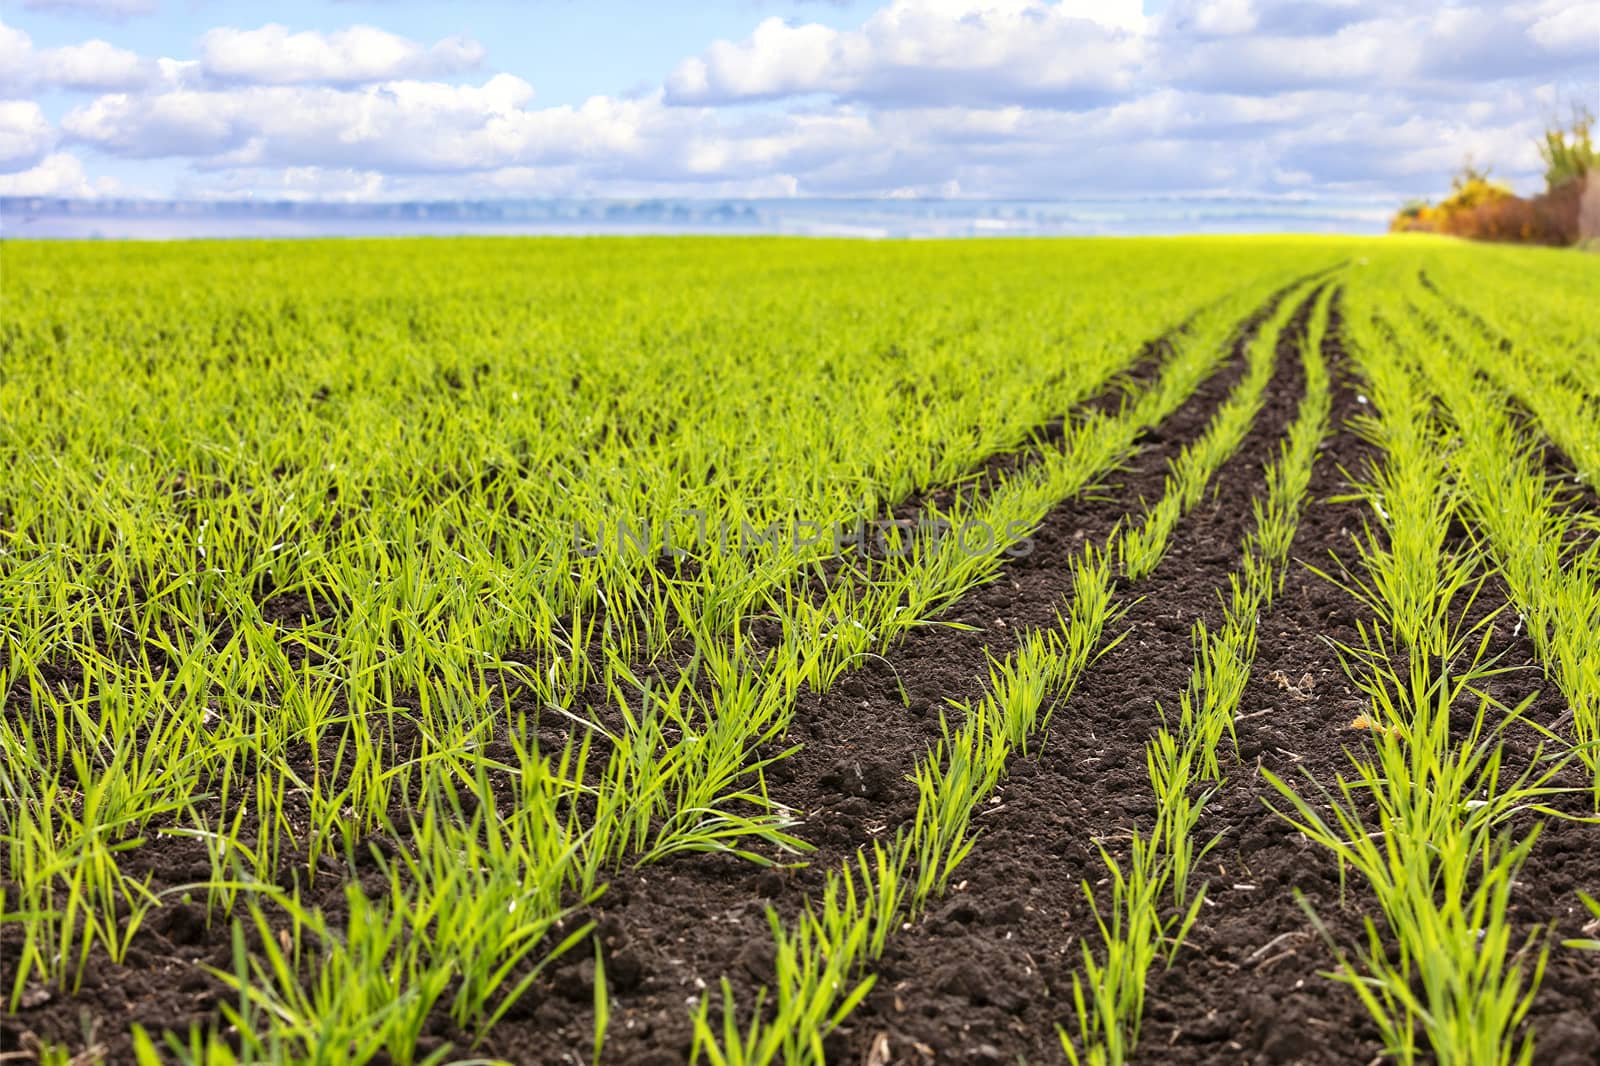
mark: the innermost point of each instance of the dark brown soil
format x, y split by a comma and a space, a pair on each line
985, 976
660, 943
695, 920
1246, 986
988, 975
1249, 985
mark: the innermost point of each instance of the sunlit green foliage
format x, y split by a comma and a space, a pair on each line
519, 555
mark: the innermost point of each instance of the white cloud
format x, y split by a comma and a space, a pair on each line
58, 174
396, 125
1215, 17
272, 55
25, 134
1443, 50
1566, 27
16, 55
94, 65
429, 127
1004, 98
928, 51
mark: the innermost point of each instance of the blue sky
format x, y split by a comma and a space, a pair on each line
965, 98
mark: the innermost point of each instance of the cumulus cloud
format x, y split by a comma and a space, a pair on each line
57, 174
16, 56
94, 66
401, 125
930, 51
432, 127
25, 134
1244, 46
1003, 98
272, 55
1572, 28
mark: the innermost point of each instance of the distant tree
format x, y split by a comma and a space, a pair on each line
1569, 154
1413, 215
1470, 176
1471, 188
1480, 208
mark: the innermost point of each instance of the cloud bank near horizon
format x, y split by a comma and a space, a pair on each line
987, 98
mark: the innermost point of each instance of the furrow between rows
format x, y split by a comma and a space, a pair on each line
987, 975
179, 929
859, 743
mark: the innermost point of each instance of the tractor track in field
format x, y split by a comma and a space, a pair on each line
1153, 447
690, 920
856, 763
664, 667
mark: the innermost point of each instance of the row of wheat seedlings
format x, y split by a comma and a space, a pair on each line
1545, 378
1547, 550
675, 775
1540, 305
822, 975
1152, 903
166, 474
1426, 815
211, 710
